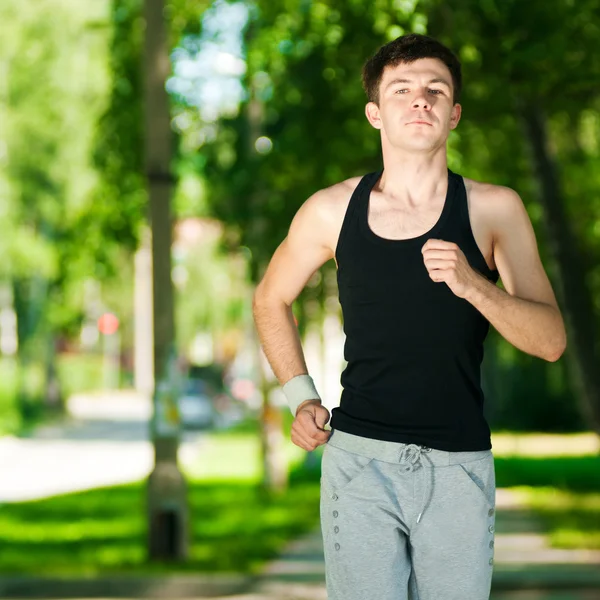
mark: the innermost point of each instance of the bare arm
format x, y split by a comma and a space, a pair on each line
301, 253
526, 314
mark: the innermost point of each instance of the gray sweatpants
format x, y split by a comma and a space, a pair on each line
402, 521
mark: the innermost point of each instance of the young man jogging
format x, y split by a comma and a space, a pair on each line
408, 485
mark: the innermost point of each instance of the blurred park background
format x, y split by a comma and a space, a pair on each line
263, 106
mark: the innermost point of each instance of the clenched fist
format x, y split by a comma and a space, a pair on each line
307, 428
445, 262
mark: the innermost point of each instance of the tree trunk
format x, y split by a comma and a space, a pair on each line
167, 506
29, 302
574, 294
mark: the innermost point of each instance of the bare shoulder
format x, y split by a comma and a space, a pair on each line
490, 193
309, 243
493, 206
332, 200
326, 208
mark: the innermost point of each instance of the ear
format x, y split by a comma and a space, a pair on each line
455, 115
373, 116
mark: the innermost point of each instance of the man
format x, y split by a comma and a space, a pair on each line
408, 485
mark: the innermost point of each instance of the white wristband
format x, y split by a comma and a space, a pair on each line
299, 389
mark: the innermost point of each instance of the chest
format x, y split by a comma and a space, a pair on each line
402, 223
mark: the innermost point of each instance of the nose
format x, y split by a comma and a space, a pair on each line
421, 101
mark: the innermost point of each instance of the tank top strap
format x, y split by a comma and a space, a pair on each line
359, 197
461, 224
461, 208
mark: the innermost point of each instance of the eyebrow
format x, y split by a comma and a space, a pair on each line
434, 80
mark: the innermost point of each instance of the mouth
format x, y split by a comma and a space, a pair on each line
420, 123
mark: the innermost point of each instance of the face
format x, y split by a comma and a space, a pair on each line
416, 111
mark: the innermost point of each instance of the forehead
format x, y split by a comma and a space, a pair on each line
421, 68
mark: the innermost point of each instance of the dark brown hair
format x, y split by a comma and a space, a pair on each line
407, 49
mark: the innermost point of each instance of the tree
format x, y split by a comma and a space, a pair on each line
49, 110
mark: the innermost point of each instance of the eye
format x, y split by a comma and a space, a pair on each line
401, 91
436, 91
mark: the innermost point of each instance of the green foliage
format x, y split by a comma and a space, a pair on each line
524, 393
32, 203
51, 110
10, 420
79, 373
48, 107
120, 203
76, 373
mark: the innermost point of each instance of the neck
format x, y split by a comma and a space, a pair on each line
414, 179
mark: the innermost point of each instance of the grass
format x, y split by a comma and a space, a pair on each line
571, 520
236, 455
558, 478
573, 473
233, 528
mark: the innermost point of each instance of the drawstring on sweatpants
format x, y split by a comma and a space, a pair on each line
412, 454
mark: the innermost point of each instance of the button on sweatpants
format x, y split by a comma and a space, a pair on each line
406, 522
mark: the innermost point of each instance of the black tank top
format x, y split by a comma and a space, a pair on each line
413, 348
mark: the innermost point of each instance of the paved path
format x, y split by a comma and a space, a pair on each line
104, 442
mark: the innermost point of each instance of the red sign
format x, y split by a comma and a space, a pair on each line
108, 324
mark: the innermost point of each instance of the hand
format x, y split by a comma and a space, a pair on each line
307, 428
446, 262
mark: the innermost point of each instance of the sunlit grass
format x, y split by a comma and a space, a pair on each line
233, 528
572, 520
236, 456
558, 477
572, 538
543, 444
